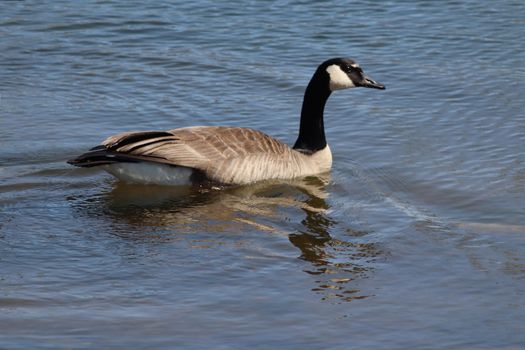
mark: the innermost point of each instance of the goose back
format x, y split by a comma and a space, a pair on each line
223, 154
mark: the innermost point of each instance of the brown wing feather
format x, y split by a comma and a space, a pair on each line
214, 150
223, 154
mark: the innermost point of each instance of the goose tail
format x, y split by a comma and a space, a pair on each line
100, 155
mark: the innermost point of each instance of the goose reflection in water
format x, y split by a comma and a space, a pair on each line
167, 214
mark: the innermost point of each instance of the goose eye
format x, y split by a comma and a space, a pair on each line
346, 68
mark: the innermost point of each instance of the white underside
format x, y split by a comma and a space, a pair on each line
150, 173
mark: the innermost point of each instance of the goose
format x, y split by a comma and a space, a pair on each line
230, 155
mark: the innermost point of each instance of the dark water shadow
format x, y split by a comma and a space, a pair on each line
298, 209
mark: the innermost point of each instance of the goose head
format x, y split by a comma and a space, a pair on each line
345, 73
334, 74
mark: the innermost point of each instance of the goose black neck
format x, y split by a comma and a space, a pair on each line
311, 130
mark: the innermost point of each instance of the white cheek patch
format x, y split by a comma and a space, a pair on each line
338, 79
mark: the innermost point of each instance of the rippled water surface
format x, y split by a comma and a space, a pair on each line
415, 240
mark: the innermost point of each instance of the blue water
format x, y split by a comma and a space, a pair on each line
415, 240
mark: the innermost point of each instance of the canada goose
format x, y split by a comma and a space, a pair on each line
229, 155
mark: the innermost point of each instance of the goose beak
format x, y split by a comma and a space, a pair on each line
370, 83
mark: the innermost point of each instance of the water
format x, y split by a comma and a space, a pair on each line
416, 240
